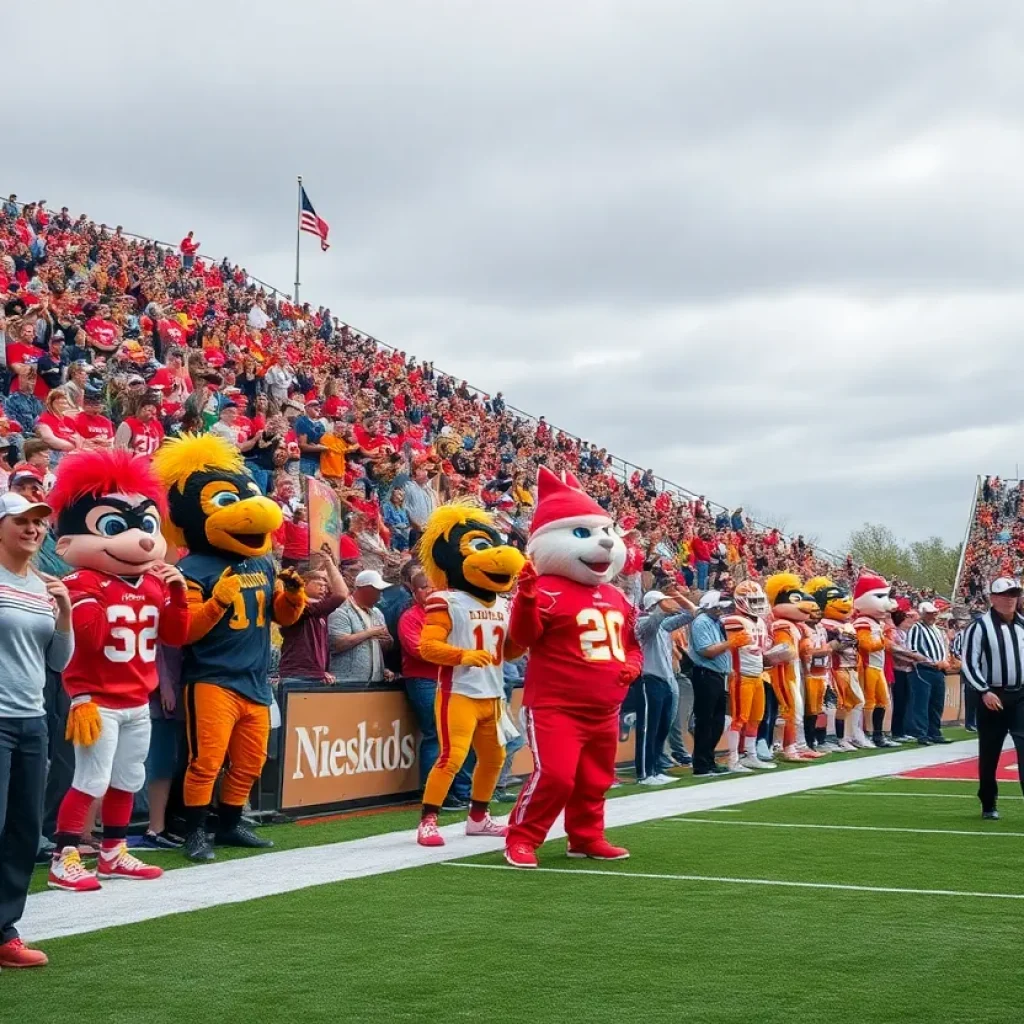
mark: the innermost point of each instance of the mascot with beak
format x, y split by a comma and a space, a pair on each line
465, 633
219, 514
124, 597
583, 657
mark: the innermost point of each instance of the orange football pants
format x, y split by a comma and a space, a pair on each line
876, 690
223, 724
463, 722
746, 704
814, 698
848, 689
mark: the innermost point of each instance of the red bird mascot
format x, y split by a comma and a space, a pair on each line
124, 597
583, 656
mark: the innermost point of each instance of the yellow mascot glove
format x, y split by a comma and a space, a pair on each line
227, 588
84, 724
476, 659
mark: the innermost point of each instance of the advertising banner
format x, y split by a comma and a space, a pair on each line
324, 511
344, 746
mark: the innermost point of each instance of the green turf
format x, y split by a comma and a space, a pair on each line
343, 828
454, 943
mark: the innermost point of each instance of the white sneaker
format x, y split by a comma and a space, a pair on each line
845, 744
738, 768
653, 780
863, 743
749, 761
666, 778
763, 751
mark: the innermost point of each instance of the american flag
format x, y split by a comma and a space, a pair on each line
310, 222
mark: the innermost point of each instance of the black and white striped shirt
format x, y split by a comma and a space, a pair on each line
929, 641
956, 645
993, 655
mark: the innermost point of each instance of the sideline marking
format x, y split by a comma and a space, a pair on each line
744, 881
842, 828
53, 914
918, 796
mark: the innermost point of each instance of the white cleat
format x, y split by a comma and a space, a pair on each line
845, 744
654, 780
738, 768
749, 761
764, 752
863, 743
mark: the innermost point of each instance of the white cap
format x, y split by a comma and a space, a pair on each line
1004, 585
651, 598
713, 599
926, 608
12, 504
371, 578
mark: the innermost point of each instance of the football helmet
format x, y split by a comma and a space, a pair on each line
751, 599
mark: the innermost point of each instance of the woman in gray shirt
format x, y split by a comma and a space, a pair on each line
35, 634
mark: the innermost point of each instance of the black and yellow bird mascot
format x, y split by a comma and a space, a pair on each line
465, 633
218, 513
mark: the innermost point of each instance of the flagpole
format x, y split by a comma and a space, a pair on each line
298, 237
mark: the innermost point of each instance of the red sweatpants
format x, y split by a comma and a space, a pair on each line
574, 767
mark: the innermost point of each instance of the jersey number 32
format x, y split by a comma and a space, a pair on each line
131, 641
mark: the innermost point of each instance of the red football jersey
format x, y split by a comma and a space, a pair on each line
588, 637
117, 624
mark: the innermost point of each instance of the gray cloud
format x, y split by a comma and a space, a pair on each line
764, 248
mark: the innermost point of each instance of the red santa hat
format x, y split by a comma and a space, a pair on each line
867, 584
561, 503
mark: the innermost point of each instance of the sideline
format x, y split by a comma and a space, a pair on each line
748, 881
54, 914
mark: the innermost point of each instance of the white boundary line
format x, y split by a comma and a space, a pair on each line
840, 828
913, 796
748, 881
53, 914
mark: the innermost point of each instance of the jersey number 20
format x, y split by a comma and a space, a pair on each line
131, 642
601, 639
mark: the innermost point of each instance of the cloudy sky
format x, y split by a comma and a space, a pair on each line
771, 249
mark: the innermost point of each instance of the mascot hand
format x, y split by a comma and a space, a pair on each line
84, 724
741, 638
628, 674
527, 583
290, 580
477, 659
227, 588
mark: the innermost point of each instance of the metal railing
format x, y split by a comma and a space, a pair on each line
622, 468
967, 537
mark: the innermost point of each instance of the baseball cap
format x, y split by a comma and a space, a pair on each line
651, 598
17, 505
713, 599
23, 471
1005, 585
371, 578
926, 608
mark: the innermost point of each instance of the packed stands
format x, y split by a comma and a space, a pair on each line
156, 327
995, 539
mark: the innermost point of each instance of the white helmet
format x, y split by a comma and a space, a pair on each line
751, 599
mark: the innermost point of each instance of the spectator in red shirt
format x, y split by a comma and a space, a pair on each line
701, 545
141, 433
56, 426
189, 247
95, 429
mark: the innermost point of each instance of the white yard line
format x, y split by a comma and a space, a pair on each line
841, 828
54, 914
913, 796
749, 881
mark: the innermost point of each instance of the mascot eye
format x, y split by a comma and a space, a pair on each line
224, 498
111, 525
582, 532
479, 544
150, 525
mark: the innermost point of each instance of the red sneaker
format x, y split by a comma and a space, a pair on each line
16, 954
520, 855
427, 834
119, 863
67, 872
601, 849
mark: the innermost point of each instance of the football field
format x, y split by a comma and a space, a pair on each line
873, 900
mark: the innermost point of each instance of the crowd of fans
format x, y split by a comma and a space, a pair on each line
995, 542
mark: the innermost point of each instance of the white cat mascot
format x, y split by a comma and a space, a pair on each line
583, 656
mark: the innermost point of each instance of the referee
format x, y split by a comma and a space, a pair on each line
928, 678
993, 663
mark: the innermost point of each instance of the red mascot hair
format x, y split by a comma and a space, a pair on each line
94, 474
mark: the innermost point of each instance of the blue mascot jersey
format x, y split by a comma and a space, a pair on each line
235, 654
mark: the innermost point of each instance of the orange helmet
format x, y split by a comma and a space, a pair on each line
751, 599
